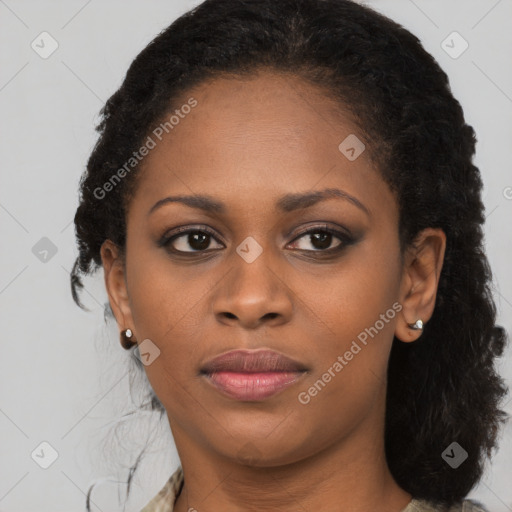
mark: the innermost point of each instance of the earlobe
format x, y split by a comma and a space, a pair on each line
115, 284
423, 263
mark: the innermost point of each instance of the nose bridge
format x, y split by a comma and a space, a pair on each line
252, 273
253, 267
253, 289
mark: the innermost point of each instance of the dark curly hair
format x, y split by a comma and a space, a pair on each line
441, 388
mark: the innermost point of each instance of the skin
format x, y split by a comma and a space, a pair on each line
248, 143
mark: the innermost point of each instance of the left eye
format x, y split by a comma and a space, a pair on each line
321, 239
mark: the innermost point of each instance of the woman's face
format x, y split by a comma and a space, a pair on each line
254, 280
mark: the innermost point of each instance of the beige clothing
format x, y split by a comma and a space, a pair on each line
164, 500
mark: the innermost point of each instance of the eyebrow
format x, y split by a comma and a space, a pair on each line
287, 203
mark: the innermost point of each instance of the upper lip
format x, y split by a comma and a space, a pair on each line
252, 361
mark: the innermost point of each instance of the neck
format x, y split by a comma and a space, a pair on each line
351, 475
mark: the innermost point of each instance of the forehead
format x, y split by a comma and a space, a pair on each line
260, 136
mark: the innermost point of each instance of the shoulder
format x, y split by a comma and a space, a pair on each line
164, 500
472, 506
467, 505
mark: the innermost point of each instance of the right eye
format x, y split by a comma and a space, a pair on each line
197, 239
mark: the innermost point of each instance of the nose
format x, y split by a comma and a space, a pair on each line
253, 294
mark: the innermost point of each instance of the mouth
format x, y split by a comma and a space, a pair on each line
249, 375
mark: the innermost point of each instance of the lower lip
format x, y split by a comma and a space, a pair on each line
252, 386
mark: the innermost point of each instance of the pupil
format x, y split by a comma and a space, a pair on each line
202, 245
323, 238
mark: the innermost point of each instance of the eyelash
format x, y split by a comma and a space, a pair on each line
344, 238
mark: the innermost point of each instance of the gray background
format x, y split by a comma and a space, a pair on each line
64, 376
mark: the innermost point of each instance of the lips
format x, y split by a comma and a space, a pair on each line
252, 361
250, 375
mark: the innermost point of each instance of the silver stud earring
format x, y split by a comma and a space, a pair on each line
128, 333
417, 326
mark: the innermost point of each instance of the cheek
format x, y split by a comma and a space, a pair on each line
164, 315
161, 294
358, 294
164, 311
358, 305
349, 371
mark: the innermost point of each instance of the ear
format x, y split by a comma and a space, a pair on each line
115, 283
423, 263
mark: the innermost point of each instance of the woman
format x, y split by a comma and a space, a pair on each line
285, 207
